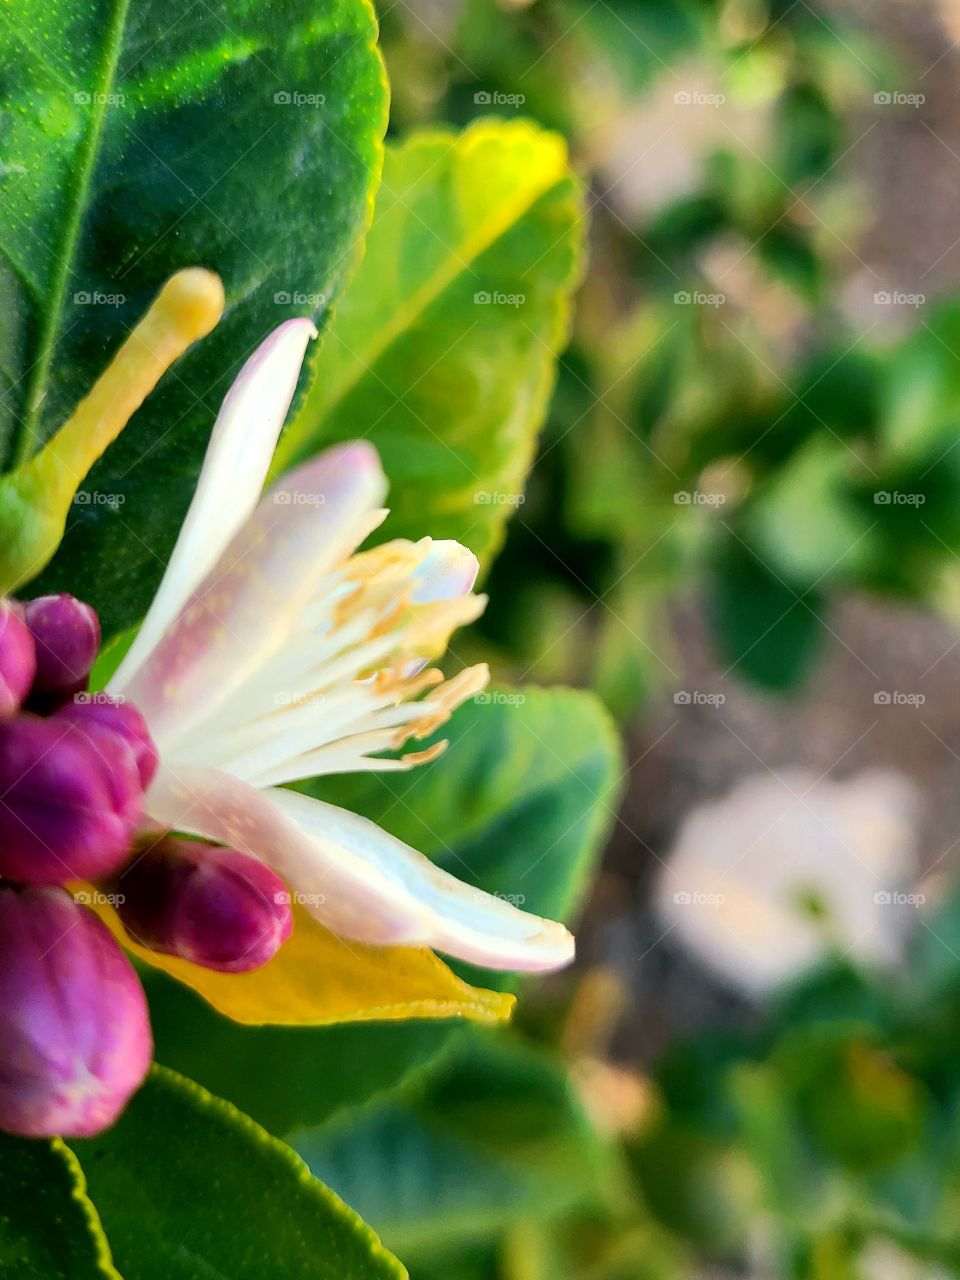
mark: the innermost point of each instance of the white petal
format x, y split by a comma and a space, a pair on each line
238, 457
448, 571
355, 878
246, 609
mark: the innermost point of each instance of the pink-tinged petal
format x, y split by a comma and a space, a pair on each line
353, 877
231, 480
245, 610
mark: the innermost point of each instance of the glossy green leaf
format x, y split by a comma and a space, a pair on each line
142, 136
443, 349
189, 1188
49, 1230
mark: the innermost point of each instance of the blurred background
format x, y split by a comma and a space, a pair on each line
742, 531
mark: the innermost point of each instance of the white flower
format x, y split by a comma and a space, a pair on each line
274, 651
739, 883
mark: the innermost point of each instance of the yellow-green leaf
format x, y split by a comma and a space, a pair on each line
443, 348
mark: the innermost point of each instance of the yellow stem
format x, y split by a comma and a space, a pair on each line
187, 307
36, 497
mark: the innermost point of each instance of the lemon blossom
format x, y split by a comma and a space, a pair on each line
276, 651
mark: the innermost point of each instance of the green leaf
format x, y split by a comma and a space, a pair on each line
443, 349
49, 1230
189, 1189
150, 138
497, 1137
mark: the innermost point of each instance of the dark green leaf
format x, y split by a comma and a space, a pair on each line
139, 138
49, 1230
768, 631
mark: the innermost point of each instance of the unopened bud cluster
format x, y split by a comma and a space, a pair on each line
76, 1039
74, 771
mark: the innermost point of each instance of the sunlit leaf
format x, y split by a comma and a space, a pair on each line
443, 349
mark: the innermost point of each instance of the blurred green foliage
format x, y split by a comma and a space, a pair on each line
722, 424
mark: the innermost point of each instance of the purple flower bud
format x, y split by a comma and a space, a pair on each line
67, 636
76, 1033
99, 715
70, 801
217, 907
18, 659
